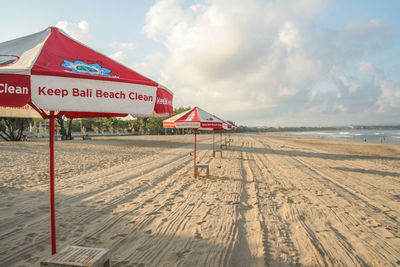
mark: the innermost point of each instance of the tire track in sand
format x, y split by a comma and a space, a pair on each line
341, 228
85, 216
250, 250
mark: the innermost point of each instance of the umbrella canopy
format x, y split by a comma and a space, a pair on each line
59, 76
52, 71
196, 118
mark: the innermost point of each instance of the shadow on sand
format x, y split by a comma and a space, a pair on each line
375, 172
295, 153
25, 235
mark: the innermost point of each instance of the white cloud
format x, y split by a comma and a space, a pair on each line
162, 18
151, 66
289, 35
341, 108
363, 30
122, 53
389, 100
366, 68
308, 8
124, 46
121, 57
237, 57
287, 91
79, 31
352, 85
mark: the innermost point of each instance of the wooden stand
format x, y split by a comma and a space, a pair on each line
79, 256
217, 151
199, 166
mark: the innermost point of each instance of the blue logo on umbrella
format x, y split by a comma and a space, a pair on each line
85, 68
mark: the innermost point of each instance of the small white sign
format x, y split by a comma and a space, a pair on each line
189, 125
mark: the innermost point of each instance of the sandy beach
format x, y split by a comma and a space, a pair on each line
269, 201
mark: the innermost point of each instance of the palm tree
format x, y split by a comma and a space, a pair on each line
11, 129
66, 134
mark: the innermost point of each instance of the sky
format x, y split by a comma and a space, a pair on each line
254, 62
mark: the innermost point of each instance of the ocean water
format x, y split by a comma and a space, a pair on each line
376, 136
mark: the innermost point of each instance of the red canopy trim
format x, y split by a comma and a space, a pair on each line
15, 90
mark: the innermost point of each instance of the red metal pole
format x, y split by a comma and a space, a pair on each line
213, 144
194, 171
52, 205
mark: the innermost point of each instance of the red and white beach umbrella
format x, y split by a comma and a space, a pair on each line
52, 71
59, 76
225, 127
196, 119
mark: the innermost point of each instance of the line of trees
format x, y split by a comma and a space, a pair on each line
134, 125
12, 129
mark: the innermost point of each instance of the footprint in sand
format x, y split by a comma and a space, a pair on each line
143, 248
118, 235
29, 237
119, 263
182, 254
26, 256
33, 260
76, 235
153, 213
197, 235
